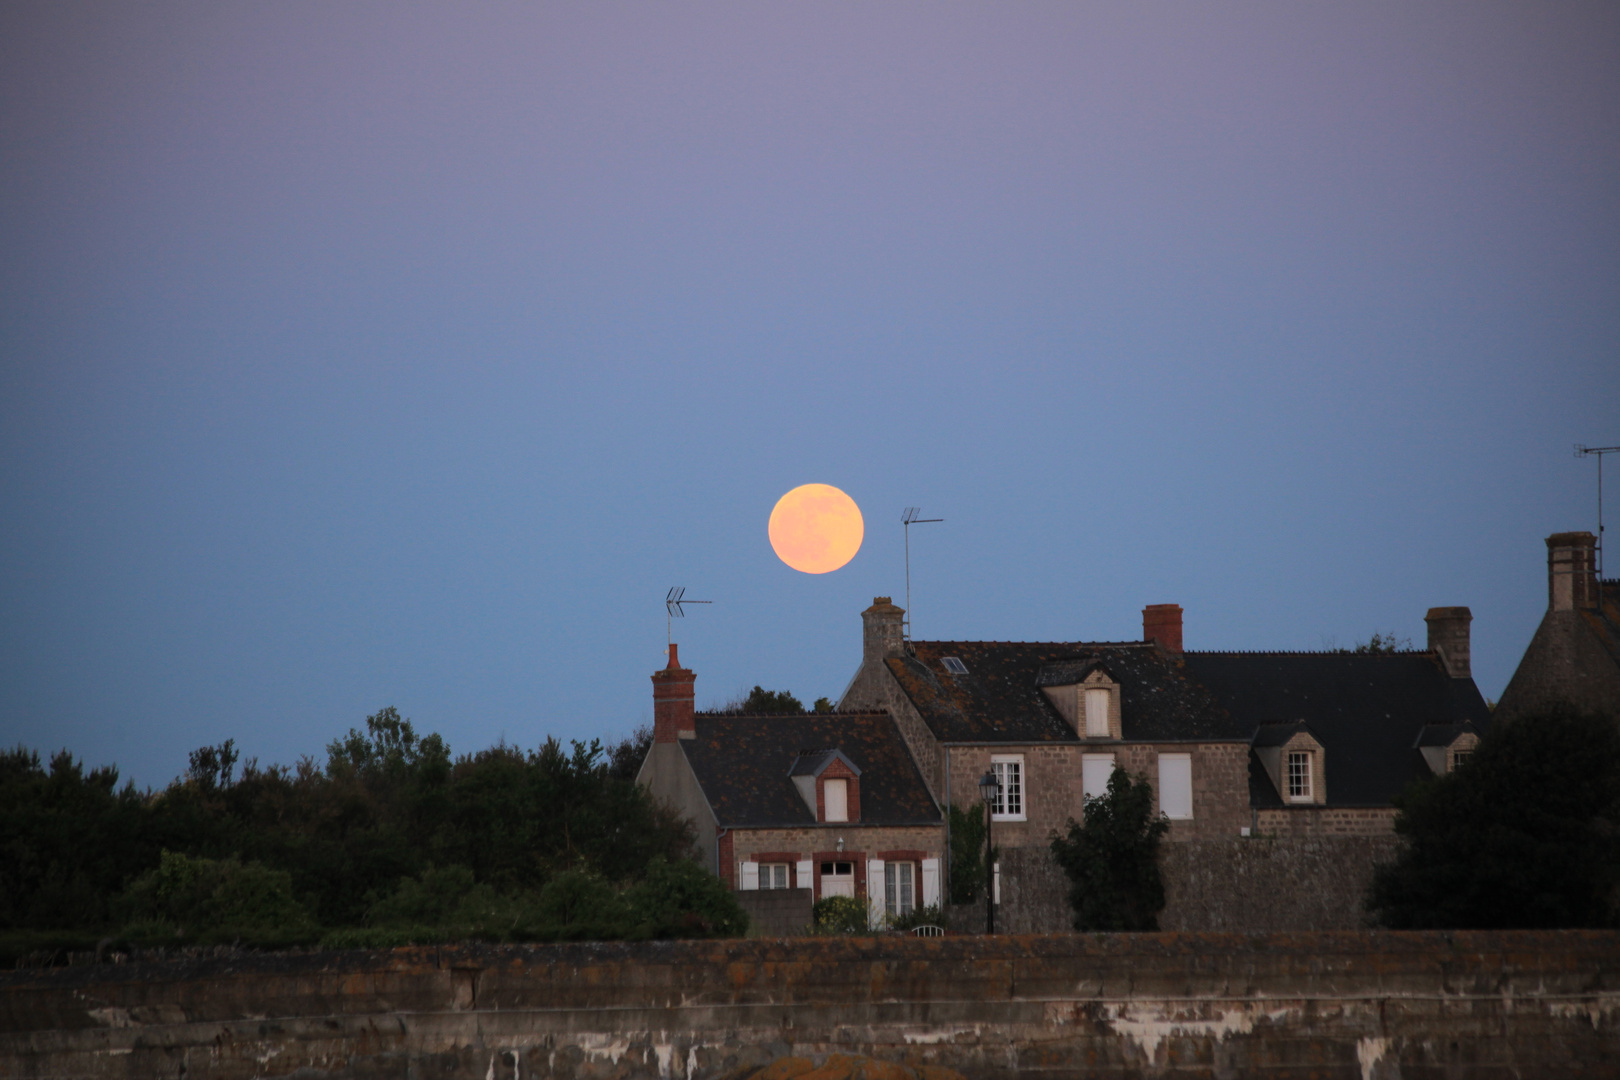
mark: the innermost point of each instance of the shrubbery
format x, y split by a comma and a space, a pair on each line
393, 840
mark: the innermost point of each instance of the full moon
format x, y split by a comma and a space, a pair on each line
816, 528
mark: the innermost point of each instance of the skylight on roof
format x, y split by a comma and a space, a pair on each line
953, 665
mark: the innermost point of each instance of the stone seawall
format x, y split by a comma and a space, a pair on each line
1326, 1005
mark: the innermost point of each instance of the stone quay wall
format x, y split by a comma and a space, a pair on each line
1324, 1005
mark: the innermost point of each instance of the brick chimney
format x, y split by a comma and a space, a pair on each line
673, 702
1448, 639
1572, 571
881, 635
1162, 623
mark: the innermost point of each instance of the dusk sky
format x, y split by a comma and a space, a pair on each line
383, 354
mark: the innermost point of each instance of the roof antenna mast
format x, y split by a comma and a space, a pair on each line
908, 519
672, 609
1598, 452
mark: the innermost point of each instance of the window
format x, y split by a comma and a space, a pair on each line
1175, 786
837, 879
1095, 769
835, 800
953, 665
773, 875
1097, 712
1009, 804
1299, 775
1459, 757
899, 887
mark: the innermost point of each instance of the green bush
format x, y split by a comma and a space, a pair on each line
682, 899
842, 915
190, 899
1112, 859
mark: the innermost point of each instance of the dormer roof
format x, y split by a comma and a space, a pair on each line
815, 762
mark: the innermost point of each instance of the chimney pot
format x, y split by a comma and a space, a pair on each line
1449, 639
1161, 623
1571, 571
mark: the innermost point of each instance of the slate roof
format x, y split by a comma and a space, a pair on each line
742, 764
1000, 698
1365, 709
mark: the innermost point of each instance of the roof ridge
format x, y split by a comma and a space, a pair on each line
1303, 652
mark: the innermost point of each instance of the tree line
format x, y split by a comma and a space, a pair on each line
390, 839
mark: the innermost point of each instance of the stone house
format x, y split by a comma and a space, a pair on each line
827, 802
1574, 657
1280, 744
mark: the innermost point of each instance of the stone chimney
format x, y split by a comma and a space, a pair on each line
1162, 623
1448, 639
673, 702
1572, 571
881, 634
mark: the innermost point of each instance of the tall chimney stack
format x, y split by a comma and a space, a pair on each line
1572, 571
1162, 623
881, 634
1448, 639
674, 702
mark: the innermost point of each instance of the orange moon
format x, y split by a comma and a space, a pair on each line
816, 528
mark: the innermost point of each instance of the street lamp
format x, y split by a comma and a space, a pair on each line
990, 788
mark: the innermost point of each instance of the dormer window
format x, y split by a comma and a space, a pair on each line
830, 785
1085, 695
1294, 760
1458, 757
1299, 776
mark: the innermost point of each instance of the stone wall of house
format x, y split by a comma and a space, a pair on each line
1242, 886
1565, 664
1054, 785
1334, 1006
1323, 822
820, 843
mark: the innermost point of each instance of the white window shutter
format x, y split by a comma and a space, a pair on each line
995, 879
805, 873
874, 890
749, 878
1175, 785
930, 874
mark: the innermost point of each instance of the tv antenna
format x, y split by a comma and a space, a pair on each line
672, 607
1581, 450
908, 519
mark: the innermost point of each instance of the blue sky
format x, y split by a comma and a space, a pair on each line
403, 354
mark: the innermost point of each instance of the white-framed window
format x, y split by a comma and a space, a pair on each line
835, 800
1299, 775
899, 887
1458, 757
1009, 804
773, 875
1095, 769
1097, 712
1175, 786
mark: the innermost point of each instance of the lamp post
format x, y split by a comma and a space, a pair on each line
989, 787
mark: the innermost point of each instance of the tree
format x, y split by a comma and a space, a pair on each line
1383, 644
1112, 858
763, 702
1524, 834
967, 853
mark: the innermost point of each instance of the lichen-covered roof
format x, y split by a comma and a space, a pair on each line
743, 763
